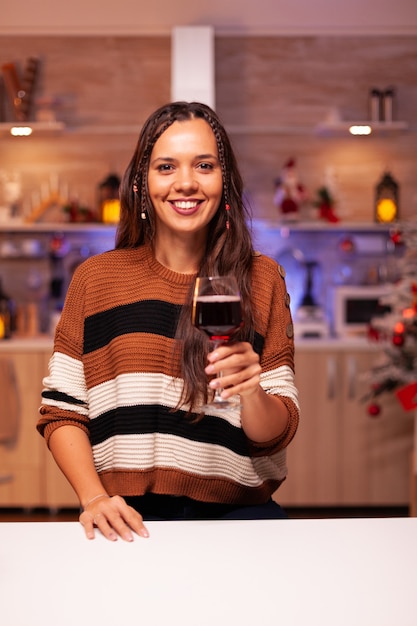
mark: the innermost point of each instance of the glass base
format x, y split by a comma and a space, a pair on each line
221, 405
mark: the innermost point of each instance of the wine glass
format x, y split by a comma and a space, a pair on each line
217, 311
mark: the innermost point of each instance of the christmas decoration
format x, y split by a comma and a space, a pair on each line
396, 331
395, 236
347, 245
407, 395
326, 205
20, 89
78, 213
374, 410
290, 194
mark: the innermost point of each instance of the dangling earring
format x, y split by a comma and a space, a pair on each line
227, 207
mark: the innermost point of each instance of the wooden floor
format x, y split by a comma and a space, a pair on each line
70, 515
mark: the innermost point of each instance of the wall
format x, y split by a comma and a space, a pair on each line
271, 92
231, 17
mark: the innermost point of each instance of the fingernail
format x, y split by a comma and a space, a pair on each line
143, 532
209, 369
128, 537
113, 537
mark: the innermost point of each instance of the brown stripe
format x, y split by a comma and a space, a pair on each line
122, 280
131, 354
173, 482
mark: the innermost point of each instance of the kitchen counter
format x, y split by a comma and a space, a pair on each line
27, 344
316, 572
337, 343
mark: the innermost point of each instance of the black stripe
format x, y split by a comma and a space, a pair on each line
149, 419
258, 343
59, 396
148, 316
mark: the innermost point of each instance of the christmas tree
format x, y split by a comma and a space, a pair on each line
396, 331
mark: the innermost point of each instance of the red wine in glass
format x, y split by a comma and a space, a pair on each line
217, 311
219, 316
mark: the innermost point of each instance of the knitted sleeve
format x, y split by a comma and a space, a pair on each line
64, 394
274, 325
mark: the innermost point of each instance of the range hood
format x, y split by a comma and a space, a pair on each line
192, 64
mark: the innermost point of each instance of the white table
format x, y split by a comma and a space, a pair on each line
355, 572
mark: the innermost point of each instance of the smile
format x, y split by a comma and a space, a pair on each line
186, 204
186, 207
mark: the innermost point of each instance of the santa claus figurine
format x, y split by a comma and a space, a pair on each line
289, 192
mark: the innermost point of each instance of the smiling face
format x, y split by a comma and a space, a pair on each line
185, 179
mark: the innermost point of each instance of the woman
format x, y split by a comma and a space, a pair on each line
120, 409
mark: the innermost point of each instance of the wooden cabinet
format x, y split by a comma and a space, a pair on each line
36, 481
313, 455
341, 456
24, 461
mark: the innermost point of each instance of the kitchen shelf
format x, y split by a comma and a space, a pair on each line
134, 129
44, 128
53, 227
380, 128
265, 224
51, 128
324, 128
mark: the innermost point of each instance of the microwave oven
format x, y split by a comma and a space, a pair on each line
355, 305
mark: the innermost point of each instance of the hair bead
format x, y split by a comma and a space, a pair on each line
227, 207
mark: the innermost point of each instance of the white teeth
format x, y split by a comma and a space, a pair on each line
187, 204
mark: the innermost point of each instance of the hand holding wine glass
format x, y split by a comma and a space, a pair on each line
217, 311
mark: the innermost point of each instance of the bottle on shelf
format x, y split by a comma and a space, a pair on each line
375, 105
6, 314
388, 103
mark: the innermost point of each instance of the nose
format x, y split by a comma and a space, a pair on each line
186, 180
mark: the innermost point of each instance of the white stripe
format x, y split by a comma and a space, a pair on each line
66, 375
280, 381
146, 388
144, 452
273, 466
132, 390
138, 389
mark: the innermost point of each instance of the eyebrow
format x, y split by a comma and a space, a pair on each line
198, 157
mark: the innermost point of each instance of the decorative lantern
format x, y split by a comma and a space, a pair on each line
386, 200
109, 203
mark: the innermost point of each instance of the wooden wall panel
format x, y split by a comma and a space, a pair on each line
271, 92
285, 86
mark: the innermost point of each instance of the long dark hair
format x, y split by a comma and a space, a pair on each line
228, 249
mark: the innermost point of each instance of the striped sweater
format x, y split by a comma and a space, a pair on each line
111, 374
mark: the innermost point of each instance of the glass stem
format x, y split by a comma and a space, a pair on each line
217, 393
